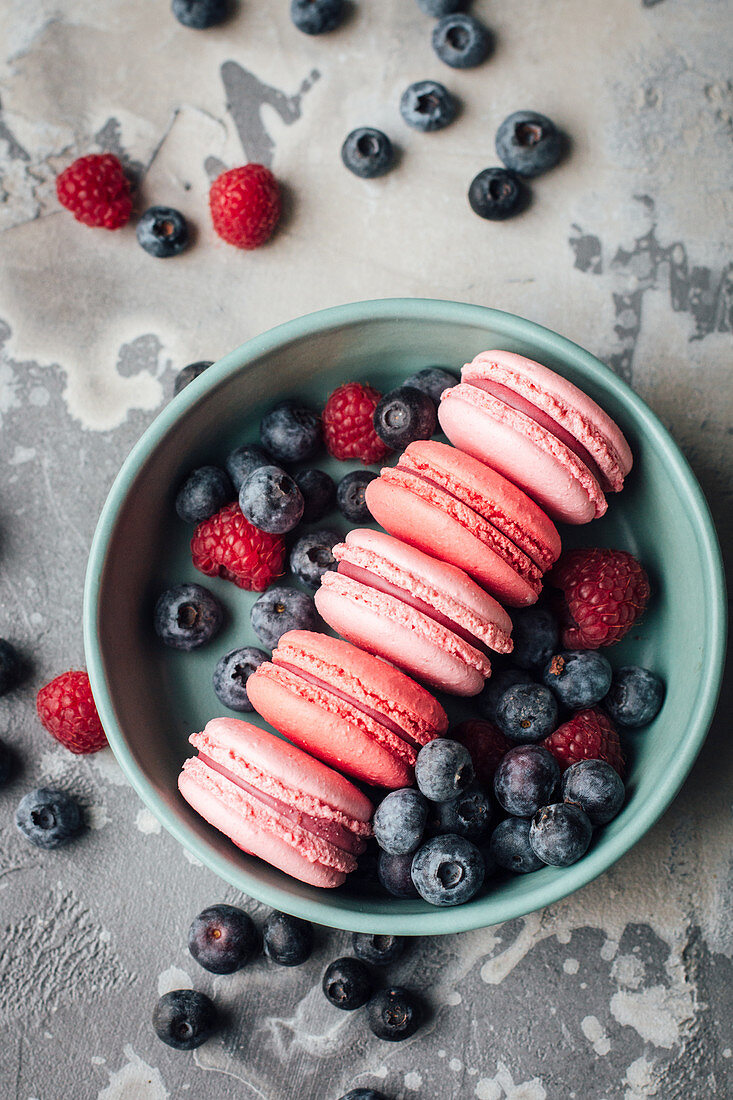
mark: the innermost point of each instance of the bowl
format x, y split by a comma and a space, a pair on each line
150, 698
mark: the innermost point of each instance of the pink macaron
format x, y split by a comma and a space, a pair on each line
275, 801
459, 510
347, 707
540, 431
422, 614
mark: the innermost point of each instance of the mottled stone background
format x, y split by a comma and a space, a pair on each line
624, 989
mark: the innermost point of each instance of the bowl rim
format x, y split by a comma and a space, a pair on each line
485, 910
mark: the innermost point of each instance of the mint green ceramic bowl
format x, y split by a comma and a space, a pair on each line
151, 698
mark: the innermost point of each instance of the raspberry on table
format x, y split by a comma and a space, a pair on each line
96, 191
588, 735
348, 427
603, 594
228, 545
67, 710
245, 205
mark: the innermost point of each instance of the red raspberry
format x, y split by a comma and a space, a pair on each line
588, 735
228, 545
604, 593
245, 205
348, 427
96, 191
486, 745
67, 710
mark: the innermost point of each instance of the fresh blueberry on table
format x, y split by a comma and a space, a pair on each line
467, 815
510, 846
439, 8
184, 1018
448, 870
10, 666
287, 940
291, 432
200, 14
350, 496
525, 779
363, 1094
403, 416
281, 609
461, 41
222, 938
579, 678
427, 106
528, 143
395, 875
367, 152
187, 616
271, 500
318, 490
231, 674
317, 16
433, 381
394, 1014
312, 556
527, 712
49, 818
487, 701
162, 232
635, 696
560, 834
377, 949
203, 493
443, 769
496, 194
399, 821
535, 634
596, 787
243, 461
347, 983
187, 374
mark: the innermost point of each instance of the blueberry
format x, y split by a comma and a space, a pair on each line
527, 712
291, 432
579, 678
496, 194
596, 787
243, 461
468, 815
317, 16
10, 666
368, 876
200, 14
461, 41
187, 374
525, 779
501, 680
281, 609
535, 634
448, 870
271, 500
510, 846
187, 616
560, 834
378, 949
403, 416
203, 493
347, 983
162, 232
394, 1014
427, 106
367, 153
312, 556
49, 818
399, 821
635, 696
438, 8
433, 381
184, 1018
7, 763
287, 940
528, 143
318, 490
363, 1094
222, 938
231, 674
443, 769
395, 875
350, 496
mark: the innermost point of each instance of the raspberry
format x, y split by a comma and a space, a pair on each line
604, 593
348, 427
486, 744
588, 735
67, 710
228, 545
96, 191
245, 205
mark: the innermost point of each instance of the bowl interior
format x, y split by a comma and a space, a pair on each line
151, 698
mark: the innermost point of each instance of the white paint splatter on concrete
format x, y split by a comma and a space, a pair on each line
173, 978
571, 966
628, 971
453, 998
21, 455
147, 822
456, 1065
491, 1088
413, 1081
192, 859
105, 764
136, 1079
640, 1080
96, 816
609, 949
657, 1014
595, 1033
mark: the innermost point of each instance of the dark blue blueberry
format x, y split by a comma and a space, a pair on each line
184, 1018
443, 769
432, 381
271, 500
394, 1014
49, 818
468, 815
10, 666
231, 674
399, 821
350, 496
438, 8
403, 416
525, 779
363, 1094
291, 432
187, 616
497, 194
312, 556
347, 983
367, 876
528, 143
367, 153
243, 461
501, 680
317, 16
287, 940
635, 696
596, 787
281, 609
222, 938
579, 678
7, 763
448, 870
187, 374
427, 106
378, 949
162, 232
395, 875
510, 846
560, 834
319, 494
527, 712
203, 493
200, 14
535, 634
461, 41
